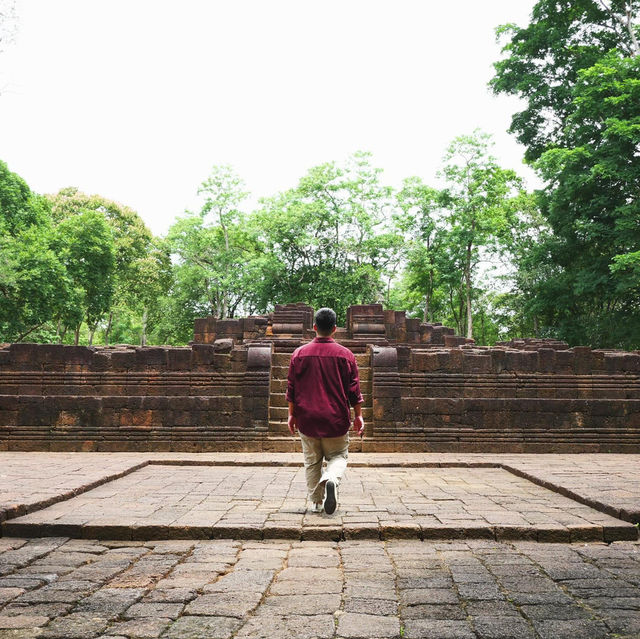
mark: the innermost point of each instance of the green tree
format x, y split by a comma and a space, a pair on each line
85, 245
216, 249
33, 281
419, 223
481, 200
543, 60
577, 65
330, 238
150, 281
132, 242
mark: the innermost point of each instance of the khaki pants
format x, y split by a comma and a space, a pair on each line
335, 450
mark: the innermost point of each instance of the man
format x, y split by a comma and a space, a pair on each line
322, 385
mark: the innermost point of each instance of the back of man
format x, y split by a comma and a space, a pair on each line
322, 385
325, 378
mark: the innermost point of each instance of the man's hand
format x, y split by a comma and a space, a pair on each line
292, 424
358, 424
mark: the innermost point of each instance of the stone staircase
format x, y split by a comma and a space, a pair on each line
279, 439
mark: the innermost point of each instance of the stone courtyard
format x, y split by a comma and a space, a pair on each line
145, 545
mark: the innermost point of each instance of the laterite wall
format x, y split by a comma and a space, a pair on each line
506, 400
203, 397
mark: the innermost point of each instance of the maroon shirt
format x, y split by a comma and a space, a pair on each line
322, 383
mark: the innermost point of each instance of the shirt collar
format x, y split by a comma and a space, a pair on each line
323, 339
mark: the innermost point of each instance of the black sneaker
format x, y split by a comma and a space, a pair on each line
330, 501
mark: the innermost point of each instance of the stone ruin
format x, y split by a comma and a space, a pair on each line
425, 388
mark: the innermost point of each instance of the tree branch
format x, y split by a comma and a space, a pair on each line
632, 33
34, 328
626, 23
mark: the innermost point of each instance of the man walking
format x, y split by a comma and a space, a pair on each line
322, 385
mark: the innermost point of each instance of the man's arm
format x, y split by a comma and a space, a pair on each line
291, 422
355, 398
358, 421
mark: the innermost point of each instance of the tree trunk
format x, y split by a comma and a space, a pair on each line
467, 283
536, 330
58, 336
77, 335
92, 332
143, 337
108, 330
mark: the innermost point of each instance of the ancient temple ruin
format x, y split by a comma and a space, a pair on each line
425, 389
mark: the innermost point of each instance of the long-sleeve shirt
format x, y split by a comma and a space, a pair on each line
322, 384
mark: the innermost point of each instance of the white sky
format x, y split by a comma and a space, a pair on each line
137, 99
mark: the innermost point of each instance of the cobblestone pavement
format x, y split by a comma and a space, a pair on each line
270, 502
56, 588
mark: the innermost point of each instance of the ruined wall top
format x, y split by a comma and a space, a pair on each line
366, 323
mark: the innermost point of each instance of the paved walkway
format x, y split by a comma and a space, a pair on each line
55, 588
203, 502
262, 495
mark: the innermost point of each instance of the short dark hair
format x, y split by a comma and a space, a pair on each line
325, 319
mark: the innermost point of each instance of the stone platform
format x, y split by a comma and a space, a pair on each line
561, 498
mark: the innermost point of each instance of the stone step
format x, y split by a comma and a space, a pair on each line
278, 426
278, 386
283, 359
32, 526
279, 372
278, 413
363, 360
280, 359
278, 398
281, 413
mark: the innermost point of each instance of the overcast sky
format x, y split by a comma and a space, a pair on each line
137, 99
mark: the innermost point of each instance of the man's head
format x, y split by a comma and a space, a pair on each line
325, 322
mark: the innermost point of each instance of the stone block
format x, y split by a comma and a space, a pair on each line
223, 345
151, 357
451, 341
8, 418
24, 354
384, 358
123, 360
546, 360
259, 357
456, 360
473, 363
34, 414
179, 359
582, 360
424, 361
202, 356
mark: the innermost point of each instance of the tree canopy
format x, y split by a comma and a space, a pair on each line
577, 67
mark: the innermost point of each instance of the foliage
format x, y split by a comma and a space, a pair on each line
33, 280
132, 247
329, 239
216, 250
543, 61
578, 66
85, 246
450, 231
